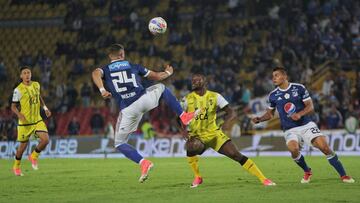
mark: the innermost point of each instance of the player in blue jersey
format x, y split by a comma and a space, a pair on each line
122, 81
294, 105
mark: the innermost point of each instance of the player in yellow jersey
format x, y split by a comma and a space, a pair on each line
27, 97
205, 129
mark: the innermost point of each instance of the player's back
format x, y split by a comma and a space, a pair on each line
289, 101
123, 80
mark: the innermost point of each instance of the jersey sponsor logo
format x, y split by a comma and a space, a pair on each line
289, 108
203, 115
119, 66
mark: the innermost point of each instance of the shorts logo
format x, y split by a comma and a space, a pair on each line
289, 108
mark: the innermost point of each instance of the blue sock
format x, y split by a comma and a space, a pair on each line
171, 101
300, 161
130, 152
335, 162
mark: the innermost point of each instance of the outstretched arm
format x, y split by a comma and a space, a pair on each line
267, 116
97, 78
158, 76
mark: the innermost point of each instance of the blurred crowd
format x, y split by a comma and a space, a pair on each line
299, 35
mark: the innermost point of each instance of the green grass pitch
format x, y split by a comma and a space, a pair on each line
116, 180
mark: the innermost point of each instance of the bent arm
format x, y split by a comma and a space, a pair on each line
309, 108
229, 116
97, 78
15, 110
159, 76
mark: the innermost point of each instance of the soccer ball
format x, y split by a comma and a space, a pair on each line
157, 25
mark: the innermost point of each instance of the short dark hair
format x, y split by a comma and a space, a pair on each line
198, 71
281, 69
24, 67
115, 48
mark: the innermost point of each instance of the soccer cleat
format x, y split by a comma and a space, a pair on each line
307, 177
34, 163
17, 172
186, 117
145, 166
268, 182
347, 179
197, 181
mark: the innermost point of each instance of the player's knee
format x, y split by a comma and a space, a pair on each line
295, 150
293, 147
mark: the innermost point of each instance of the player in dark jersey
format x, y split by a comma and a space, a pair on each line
122, 80
294, 105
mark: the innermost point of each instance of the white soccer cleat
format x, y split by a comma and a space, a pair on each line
306, 178
347, 179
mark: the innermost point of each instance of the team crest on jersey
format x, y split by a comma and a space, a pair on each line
289, 108
295, 93
287, 96
210, 102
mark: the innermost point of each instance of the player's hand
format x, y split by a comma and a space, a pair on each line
256, 120
48, 113
169, 69
22, 118
105, 94
295, 116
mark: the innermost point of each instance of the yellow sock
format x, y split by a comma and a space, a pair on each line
193, 162
35, 155
251, 167
17, 163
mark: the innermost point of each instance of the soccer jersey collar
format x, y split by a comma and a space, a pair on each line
284, 90
116, 60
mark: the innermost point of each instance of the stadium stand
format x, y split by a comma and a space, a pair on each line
319, 44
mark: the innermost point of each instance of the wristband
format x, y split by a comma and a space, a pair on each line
168, 72
102, 90
45, 108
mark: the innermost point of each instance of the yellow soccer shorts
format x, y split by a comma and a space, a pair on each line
214, 140
25, 131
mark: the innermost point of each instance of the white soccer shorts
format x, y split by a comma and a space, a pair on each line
303, 134
130, 117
